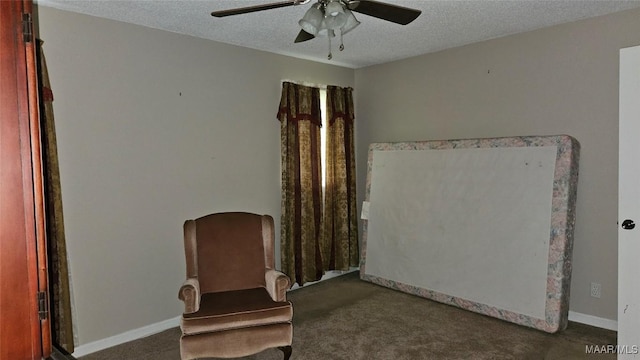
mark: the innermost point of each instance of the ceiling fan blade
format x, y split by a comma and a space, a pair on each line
250, 9
303, 36
394, 13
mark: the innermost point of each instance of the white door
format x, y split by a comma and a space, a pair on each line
629, 206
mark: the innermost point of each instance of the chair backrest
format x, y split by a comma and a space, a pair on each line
226, 251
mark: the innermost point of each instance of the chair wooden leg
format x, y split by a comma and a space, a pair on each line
287, 351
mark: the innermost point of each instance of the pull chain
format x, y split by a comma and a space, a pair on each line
329, 37
341, 41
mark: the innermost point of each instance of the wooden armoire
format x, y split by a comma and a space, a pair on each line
24, 316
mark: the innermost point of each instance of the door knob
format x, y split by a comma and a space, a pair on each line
628, 224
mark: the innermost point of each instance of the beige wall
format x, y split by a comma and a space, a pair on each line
155, 128
558, 80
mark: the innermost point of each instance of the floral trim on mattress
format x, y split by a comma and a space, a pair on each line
561, 232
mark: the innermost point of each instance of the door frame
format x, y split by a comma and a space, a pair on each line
24, 318
629, 205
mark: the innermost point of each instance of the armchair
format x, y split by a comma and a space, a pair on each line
234, 301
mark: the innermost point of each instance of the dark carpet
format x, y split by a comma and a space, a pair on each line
346, 318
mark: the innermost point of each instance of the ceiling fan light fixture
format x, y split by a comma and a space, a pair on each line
351, 22
334, 14
324, 31
334, 8
312, 20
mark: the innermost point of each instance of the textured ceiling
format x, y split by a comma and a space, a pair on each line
443, 24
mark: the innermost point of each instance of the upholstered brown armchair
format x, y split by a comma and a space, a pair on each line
235, 302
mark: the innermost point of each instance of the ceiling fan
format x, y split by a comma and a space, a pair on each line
328, 17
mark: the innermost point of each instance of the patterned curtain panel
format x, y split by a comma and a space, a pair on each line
340, 221
300, 123
60, 299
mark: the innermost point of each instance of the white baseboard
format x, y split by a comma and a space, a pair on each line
126, 336
327, 275
593, 320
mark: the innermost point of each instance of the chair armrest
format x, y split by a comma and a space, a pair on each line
277, 284
190, 294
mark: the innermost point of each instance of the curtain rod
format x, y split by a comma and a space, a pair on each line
305, 83
310, 84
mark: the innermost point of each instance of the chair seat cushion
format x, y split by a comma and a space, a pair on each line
235, 309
